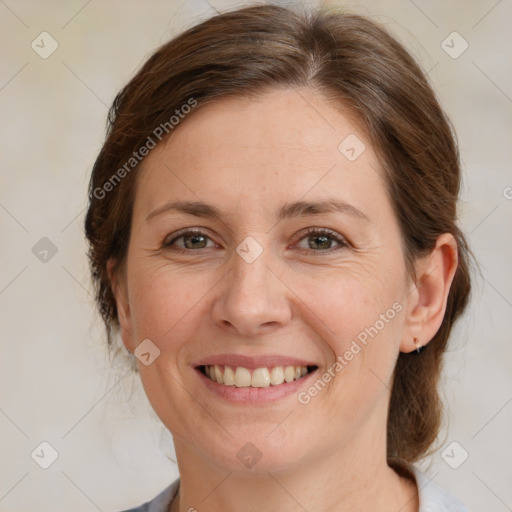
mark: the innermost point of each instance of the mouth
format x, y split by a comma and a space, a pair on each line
263, 377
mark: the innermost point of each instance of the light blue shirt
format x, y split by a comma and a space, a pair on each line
432, 497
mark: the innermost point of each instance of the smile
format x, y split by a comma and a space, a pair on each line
263, 377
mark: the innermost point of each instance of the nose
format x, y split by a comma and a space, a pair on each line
253, 300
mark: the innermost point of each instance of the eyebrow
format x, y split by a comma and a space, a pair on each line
296, 209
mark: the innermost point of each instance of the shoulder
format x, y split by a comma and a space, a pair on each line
434, 498
159, 503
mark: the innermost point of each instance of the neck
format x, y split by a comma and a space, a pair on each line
341, 479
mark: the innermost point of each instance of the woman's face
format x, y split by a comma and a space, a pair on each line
253, 290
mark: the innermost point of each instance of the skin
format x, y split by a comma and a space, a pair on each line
248, 157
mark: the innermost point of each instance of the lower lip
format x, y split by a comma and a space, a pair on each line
249, 395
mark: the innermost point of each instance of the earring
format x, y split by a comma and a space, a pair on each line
419, 348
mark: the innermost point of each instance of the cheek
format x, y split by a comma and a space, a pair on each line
348, 301
358, 313
168, 307
163, 303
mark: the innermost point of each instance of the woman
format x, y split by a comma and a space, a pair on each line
272, 233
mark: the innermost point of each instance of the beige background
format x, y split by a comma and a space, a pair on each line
57, 384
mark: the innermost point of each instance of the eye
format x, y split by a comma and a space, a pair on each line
190, 240
321, 240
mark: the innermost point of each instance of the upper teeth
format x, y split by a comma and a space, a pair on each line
260, 378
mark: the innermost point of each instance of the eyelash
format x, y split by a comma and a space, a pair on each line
342, 243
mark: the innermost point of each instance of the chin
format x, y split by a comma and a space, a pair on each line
255, 453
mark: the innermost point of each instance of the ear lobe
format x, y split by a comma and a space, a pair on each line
427, 304
118, 284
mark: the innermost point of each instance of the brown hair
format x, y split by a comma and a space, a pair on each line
351, 61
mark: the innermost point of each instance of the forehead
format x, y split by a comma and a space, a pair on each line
282, 144
286, 121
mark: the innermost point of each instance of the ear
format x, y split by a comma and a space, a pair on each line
426, 303
119, 289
